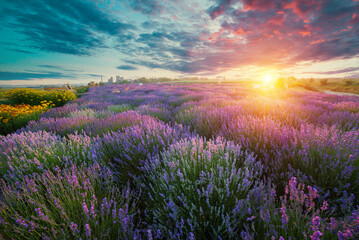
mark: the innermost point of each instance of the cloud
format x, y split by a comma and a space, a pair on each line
150, 7
94, 75
191, 37
220, 8
150, 24
4, 76
20, 50
126, 67
70, 27
58, 68
345, 70
354, 76
282, 33
263, 33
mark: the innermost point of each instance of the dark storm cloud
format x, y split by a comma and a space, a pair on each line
126, 67
71, 27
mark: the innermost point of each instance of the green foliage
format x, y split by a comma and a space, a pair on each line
280, 83
323, 82
82, 89
15, 117
143, 80
120, 108
349, 82
18, 122
310, 87
124, 82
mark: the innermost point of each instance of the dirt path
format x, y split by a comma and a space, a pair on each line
339, 93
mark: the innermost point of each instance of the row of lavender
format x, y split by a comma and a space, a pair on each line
185, 162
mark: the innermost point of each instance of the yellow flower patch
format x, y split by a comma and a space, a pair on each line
8, 112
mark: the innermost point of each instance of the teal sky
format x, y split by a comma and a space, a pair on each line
46, 42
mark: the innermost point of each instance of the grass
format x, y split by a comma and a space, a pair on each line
336, 85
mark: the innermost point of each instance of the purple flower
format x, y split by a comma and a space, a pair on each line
325, 206
149, 233
41, 214
316, 235
285, 217
316, 222
84, 206
74, 227
92, 210
22, 222
87, 230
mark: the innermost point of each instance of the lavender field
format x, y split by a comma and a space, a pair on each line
195, 161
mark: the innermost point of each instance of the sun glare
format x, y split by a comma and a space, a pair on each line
267, 79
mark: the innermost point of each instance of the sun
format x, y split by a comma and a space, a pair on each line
267, 79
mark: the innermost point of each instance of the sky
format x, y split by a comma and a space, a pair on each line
47, 42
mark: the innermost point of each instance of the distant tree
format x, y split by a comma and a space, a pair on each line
323, 81
143, 80
349, 82
164, 79
124, 82
291, 81
280, 83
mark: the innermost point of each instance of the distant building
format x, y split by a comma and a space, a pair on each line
91, 84
119, 79
110, 80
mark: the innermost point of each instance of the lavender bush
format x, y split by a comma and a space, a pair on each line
90, 125
274, 165
160, 111
202, 190
27, 153
77, 202
126, 150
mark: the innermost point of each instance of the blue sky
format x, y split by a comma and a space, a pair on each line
45, 41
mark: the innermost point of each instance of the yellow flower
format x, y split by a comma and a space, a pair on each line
5, 120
